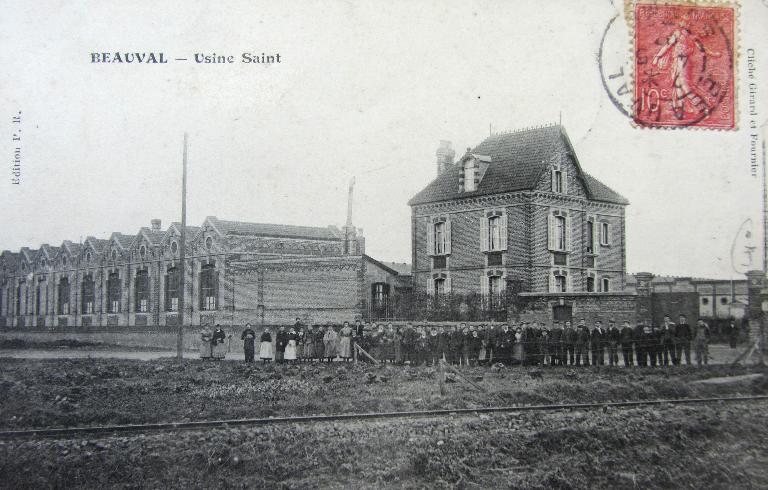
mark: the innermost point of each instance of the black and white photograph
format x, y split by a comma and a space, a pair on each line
384, 244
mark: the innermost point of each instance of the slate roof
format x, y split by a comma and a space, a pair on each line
191, 231
517, 162
154, 236
401, 268
98, 243
274, 230
124, 240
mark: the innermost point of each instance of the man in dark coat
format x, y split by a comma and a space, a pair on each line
569, 343
654, 345
667, 342
457, 344
626, 338
506, 340
597, 344
248, 337
444, 344
556, 342
613, 337
641, 344
683, 337
281, 341
581, 345
409, 344
732, 331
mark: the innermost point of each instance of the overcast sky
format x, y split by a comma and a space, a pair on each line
365, 89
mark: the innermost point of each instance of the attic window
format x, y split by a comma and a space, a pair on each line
174, 247
114, 254
469, 176
88, 256
143, 251
208, 243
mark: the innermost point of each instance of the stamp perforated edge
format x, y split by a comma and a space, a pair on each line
629, 17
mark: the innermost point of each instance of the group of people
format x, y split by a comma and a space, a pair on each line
526, 343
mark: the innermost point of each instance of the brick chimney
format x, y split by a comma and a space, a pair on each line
156, 223
445, 155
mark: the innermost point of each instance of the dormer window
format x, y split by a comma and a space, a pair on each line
559, 182
469, 176
143, 251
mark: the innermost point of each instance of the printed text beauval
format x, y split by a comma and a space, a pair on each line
201, 58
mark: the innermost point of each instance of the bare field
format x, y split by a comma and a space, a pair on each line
715, 446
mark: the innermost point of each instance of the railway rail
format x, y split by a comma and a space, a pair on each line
74, 432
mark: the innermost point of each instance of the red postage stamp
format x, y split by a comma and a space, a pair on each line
684, 65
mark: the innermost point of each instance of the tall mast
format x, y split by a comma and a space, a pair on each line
182, 254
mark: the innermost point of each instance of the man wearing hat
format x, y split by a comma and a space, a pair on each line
613, 336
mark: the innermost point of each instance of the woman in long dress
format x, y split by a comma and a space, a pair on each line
205, 342
330, 343
345, 342
218, 341
265, 346
309, 344
290, 349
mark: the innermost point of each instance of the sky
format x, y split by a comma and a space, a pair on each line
364, 89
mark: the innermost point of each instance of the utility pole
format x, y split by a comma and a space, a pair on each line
182, 254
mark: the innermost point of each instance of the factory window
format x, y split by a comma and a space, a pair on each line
142, 291
172, 289
64, 296
705, 301
723, 301
88, 295
113, 293
208, 287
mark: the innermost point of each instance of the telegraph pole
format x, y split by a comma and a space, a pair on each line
182, 254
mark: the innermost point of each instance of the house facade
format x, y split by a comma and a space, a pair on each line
517, 212
235, 272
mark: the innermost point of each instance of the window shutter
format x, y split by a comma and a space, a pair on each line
568, 283
431, 286
484, 242
484, 285
565, 181
447, 236
552, 284
595, 237
504, 230
551, 238
553, 174
447, 285
430, 237
568, 233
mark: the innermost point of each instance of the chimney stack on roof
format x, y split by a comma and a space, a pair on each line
445, 155
156, 223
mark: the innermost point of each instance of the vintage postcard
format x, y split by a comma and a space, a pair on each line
368, 244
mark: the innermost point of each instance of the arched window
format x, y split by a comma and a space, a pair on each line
113, 293
142, 291
87, 295
64, 296
172, 289
208, 287
39, 300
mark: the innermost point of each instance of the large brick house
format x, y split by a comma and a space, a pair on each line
517, 211
236, 272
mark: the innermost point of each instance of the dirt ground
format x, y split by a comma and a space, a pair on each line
714, 446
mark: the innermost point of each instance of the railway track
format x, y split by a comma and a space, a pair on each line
74, 432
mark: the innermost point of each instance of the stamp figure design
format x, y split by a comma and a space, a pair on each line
684, 66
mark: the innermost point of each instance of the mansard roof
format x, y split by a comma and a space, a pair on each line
518, 160
273, 230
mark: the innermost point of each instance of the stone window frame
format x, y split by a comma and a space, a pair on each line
554, 215
554, 273
605, 233
434, 277
605, 280
485, 230
433, 221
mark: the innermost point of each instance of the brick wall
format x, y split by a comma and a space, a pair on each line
591, 307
